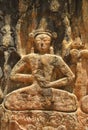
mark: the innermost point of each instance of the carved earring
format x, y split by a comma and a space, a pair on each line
32, 50
51, 50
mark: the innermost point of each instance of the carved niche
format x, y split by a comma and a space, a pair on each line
43, 65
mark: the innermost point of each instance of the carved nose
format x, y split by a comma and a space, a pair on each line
41, 44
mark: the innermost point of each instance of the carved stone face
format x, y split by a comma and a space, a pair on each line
42, 42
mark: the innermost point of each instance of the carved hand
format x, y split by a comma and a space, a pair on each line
41, 80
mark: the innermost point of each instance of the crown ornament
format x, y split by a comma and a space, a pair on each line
43, 29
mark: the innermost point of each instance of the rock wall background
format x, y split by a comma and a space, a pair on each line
27, 15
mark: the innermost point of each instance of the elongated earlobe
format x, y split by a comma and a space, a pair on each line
32, 50
51, 50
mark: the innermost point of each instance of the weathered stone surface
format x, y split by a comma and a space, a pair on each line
42, 120
84, 104
39, 97
81, 83
45, 99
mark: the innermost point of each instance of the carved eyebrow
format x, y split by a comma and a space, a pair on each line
43, 35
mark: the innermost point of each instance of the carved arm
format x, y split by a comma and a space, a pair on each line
18, 74
68, 74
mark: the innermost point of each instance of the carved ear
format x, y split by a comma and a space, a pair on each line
51, 50
32, 50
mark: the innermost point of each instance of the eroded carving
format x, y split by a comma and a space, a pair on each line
40, 92
67, 41
41, 71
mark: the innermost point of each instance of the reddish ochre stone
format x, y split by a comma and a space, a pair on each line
84, 104
43, 64
44, 99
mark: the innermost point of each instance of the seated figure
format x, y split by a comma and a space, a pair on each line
45, 73
42, 61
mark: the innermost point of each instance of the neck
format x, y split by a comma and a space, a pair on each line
42, 53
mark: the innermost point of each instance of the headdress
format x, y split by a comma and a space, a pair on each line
43, 29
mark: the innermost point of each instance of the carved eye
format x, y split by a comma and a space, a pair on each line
38, 40
44, 40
